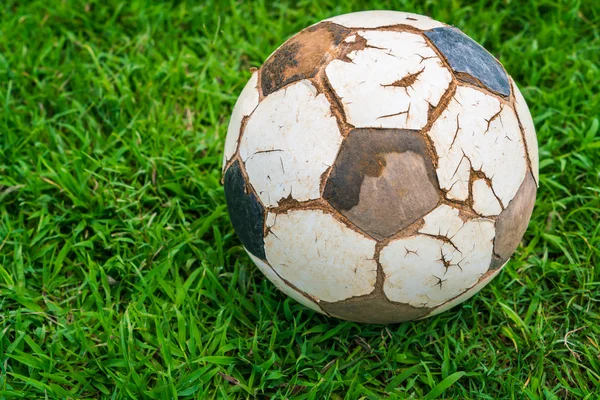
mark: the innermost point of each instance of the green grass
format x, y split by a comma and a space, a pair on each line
121, 276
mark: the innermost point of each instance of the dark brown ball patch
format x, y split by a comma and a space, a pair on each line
373, 309
383, 180
512, 222
301, 56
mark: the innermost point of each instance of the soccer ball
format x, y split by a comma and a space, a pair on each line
380, 167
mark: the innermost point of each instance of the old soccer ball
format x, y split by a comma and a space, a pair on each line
380, 167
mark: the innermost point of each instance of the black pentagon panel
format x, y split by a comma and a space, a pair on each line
466, 56
246, 213
383, 180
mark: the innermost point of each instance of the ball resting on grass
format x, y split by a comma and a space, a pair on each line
380, 167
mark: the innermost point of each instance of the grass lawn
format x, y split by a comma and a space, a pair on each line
120, 273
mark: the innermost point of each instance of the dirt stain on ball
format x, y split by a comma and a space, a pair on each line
301, 56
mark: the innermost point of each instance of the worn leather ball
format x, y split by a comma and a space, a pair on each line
380, 167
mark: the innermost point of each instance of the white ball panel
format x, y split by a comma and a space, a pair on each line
320, 255
475, 132
472, 291
506, 160
244, 106
412, 270
443, 221
376, 19
281, 285
426, 271
484, 201
366, 85
289, 142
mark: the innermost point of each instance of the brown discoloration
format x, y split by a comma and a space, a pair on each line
346, 48
445, 239
227, 165
337, 109
376, 308
316, 204
432, 116
493, 117
237, 147
406, 81
323, 181
466, 207
408, 231
359, 43
249, 188
288, 204
301, 56
513, 104
478, 174
373, 308
502, 99
380, 280
383, 180
407, 112
393, 28
465, 213
440, 55
261, 95
512, 223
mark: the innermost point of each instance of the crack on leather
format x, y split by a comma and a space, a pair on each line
497, 115
316, 204
514, 107
479, 174
433, 114
408, 80
376, 306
